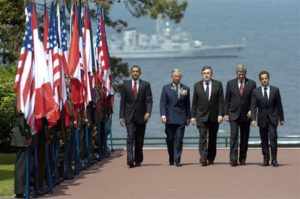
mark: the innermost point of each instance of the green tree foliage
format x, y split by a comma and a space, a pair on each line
7, 104
12, 21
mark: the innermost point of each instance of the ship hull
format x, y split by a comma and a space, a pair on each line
201, 52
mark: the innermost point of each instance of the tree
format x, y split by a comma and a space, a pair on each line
12, 21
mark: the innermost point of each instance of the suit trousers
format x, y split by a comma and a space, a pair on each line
208, 139
268, 133
174, 140
135, 141
244, 127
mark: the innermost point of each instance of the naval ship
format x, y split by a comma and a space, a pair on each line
167, 43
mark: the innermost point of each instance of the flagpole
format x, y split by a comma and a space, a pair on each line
27, 172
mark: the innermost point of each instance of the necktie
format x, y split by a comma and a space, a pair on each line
134, 90
241, 88
265, 94
207, 89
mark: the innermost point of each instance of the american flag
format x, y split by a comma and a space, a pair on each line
64, 40
24, 82
54, 66
103, 55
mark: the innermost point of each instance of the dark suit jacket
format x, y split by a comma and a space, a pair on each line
235, 104
134, 109
271, 110
204, 110
177, 110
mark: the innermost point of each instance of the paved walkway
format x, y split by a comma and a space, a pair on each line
156, 179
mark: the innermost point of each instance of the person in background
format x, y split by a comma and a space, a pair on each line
267, 110
207, 114
237, 112
21, 139
175, 113
135, 110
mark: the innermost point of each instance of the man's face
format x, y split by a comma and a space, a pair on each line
176, 77
135, 73
264, 79
241, 75
206, 74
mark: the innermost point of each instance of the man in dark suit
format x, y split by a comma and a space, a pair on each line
175, 114
135, 110
237, 112
266, 103
207, 114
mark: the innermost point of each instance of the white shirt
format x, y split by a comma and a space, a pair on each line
209, 85
263, 90
137, 84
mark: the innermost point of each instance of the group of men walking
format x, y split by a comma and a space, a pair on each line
244, 104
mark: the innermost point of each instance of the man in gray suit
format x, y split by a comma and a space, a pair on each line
237, 112
266, 103
175, 113
135, 110
207, 114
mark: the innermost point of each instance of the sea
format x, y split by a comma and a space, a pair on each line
271, 29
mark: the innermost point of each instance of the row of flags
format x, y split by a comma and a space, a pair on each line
43, 64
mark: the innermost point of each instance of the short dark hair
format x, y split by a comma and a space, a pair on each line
207, 67
264, 73
135, 66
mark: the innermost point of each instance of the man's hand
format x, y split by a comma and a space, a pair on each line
28, 142
163, 119
220, 119
249, 114
146, 117
253, 123
193, 121
122, 122
226, 118
281, 123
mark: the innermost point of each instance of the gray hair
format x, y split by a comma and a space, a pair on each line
242, 68
176, 70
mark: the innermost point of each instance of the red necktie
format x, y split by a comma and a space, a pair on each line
134, 90
241, 88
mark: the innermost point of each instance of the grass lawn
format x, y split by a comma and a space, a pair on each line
7, 162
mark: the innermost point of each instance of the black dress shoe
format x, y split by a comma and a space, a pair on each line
233, 163
210, 162
274, 163
243, 162
137, 164
130, 164
20, 196
265, 163
171, 163
203, 161
178, 164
